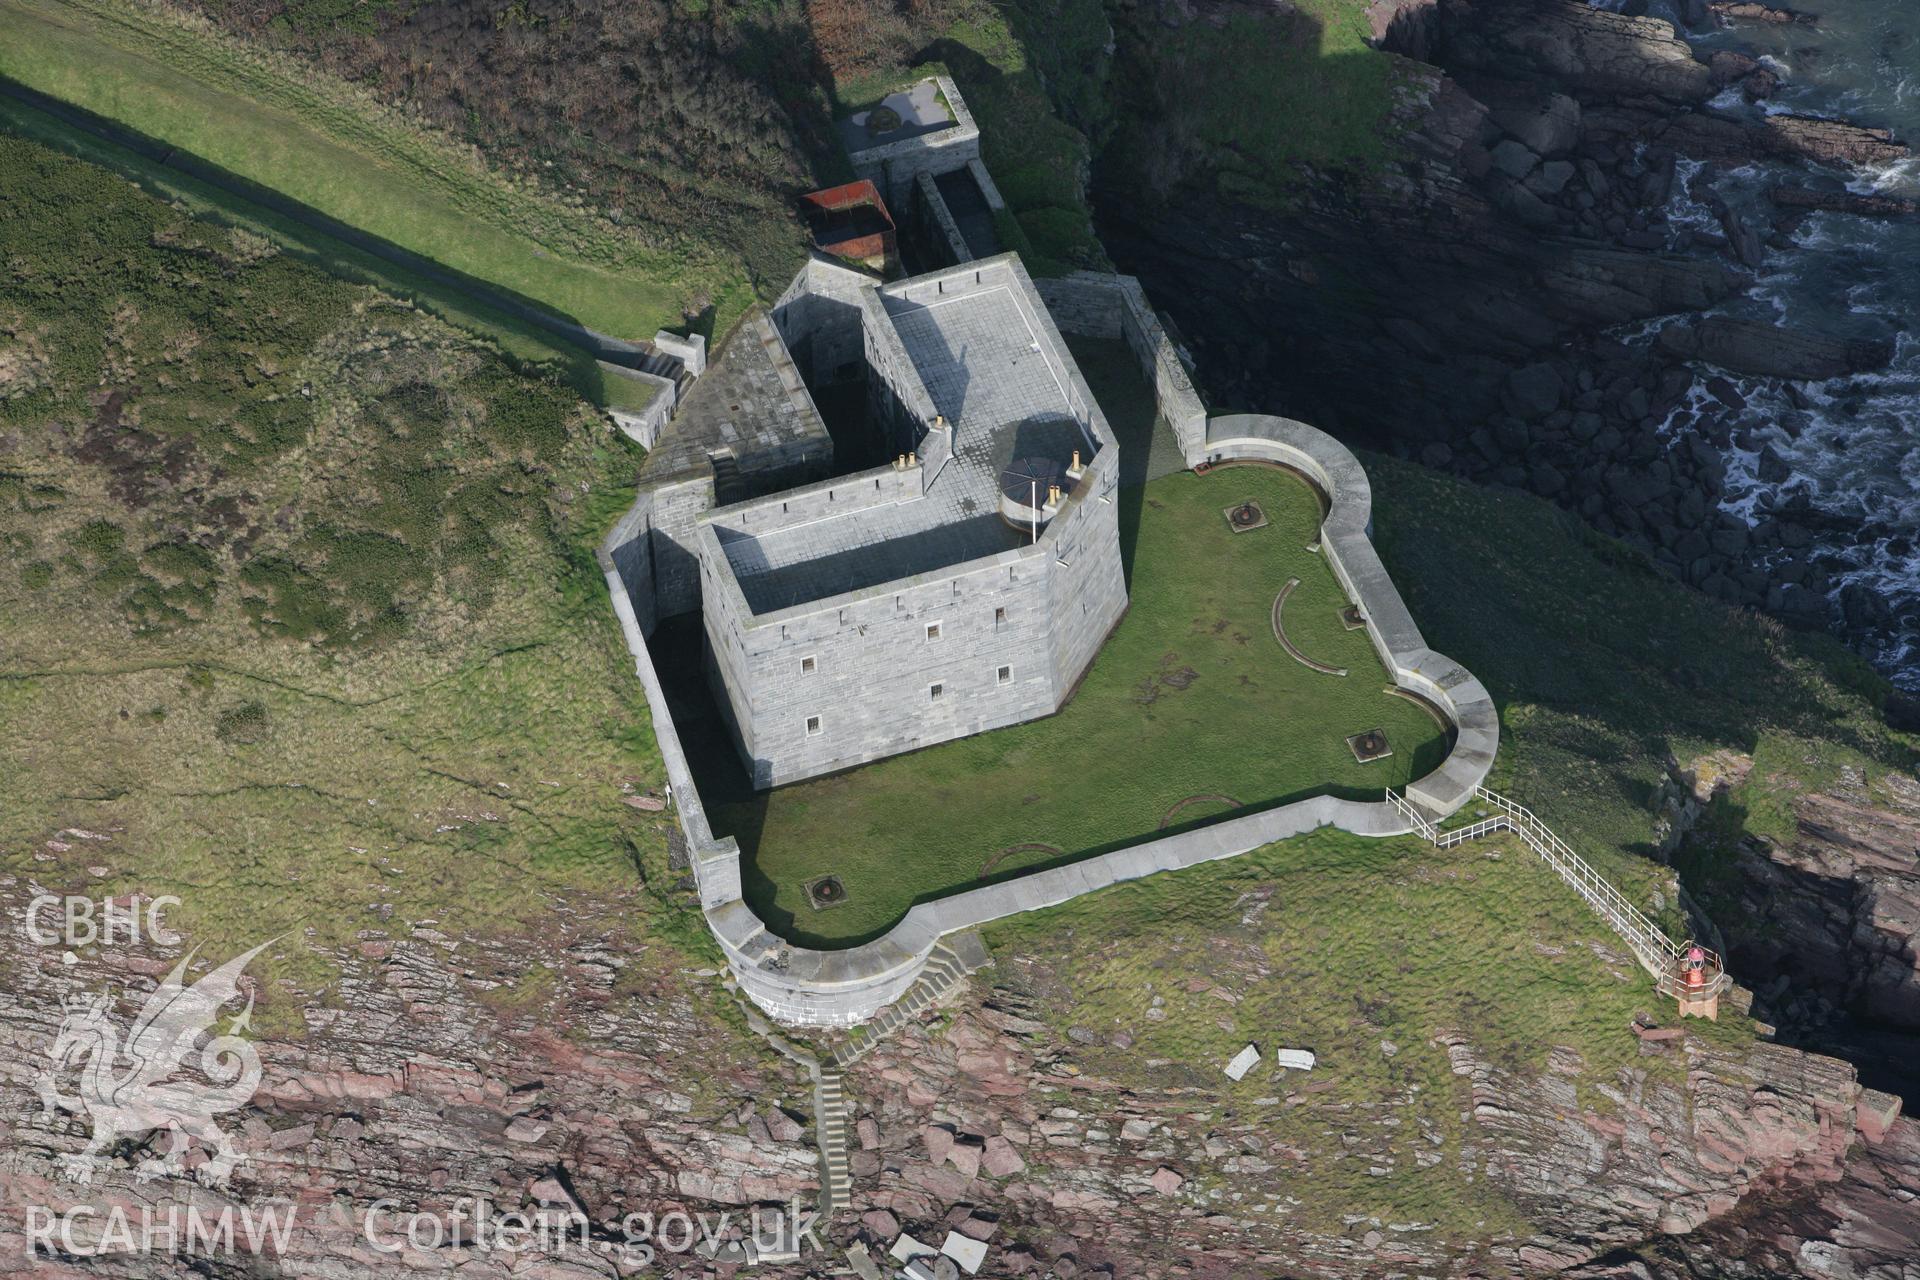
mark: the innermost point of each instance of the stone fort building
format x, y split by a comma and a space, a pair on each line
892, 505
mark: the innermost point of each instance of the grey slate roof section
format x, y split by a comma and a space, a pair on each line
751, 404
990, 362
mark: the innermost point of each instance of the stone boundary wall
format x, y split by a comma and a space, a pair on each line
644, 427
624, 559
846, 987
942, 218
1097, 304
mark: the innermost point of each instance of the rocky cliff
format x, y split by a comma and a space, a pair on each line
429, 1079
1825, 923
1455, 301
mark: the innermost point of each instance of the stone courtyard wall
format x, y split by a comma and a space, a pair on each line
1097, 304
845, 987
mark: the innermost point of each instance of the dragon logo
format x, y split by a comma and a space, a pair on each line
145, 1083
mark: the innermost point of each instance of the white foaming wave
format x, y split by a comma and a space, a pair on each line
1899, 176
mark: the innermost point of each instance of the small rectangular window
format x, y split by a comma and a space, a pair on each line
999, 616
807, 666
813, 726
1004, 675
933, 632
934, 692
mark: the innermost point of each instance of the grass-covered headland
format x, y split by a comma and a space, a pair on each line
298, 615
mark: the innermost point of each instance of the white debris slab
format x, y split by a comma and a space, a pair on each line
862, 1264
965, 1250
906, 1249
1294, 1059
1242, 1063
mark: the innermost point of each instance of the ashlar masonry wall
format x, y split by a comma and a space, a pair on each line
819, 318
824, 687
1101, 305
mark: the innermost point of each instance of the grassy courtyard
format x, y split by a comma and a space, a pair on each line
1191, 709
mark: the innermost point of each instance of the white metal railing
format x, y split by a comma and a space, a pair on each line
1658, 954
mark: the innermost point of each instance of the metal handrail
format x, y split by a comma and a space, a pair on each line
1657, 953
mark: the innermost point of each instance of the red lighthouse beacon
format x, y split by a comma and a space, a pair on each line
1698, 982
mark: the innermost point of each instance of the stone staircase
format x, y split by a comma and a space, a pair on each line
951, 960
830, 1135
948, 965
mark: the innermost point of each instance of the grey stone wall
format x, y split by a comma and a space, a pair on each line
874, 667
643, 427
936, 220
676, 569
984, 181
895, 166
1346, 540
1087, 589
839, 988
1041, 612
623, 561
791, 508
1100, 305
819, 318
897, 399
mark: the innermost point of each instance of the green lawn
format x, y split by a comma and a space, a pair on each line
1191, 697
320, 144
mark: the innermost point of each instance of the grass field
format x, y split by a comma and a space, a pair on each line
288, 129
298, 615
1191, 697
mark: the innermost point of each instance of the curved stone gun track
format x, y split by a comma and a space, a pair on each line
1293, 650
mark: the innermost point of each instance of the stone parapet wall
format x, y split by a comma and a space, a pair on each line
1098, 304
1347, 542
819, 319
644, 426
896, 395
674, 517
938, 219
837, 496
624, 561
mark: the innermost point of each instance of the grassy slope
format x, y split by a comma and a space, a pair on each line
1367, 951
1240, 100
1363, 951
297, 611
1190, 697
317, 142
1602, 667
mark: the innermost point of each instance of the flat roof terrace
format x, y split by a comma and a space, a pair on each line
1004, 383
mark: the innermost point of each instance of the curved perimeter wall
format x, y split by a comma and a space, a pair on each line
842, 988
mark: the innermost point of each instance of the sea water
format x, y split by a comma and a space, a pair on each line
1853, 444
